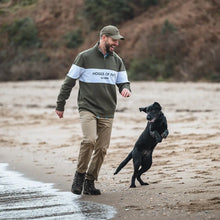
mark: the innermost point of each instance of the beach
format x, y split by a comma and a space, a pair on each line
184, 180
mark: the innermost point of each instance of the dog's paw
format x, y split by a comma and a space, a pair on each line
165, 134
132, 186
158, 138
156, 135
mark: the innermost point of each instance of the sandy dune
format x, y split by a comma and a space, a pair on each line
184, 178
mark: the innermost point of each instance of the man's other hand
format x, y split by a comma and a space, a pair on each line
59, 113
125, 93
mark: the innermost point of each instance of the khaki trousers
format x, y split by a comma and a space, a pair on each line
96, 139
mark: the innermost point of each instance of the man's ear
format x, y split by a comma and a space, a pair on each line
103, 37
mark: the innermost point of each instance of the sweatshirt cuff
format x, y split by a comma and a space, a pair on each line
60, 107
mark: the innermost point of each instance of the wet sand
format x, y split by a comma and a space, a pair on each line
184, 178
23, 198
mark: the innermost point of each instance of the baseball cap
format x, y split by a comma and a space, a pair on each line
111, 31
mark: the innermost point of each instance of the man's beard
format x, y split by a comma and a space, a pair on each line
107, 47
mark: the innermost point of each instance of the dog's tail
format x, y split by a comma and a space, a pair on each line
123, 163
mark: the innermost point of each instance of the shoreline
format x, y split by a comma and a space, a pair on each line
23, 198
184, 178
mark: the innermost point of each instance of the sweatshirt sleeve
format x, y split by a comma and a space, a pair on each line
65, 91
122, 78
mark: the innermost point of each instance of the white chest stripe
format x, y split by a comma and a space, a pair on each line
122, 77
75, 71
97, 75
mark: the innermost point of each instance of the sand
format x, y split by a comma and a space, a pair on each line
184, 180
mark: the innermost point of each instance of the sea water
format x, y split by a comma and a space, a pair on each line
22, 198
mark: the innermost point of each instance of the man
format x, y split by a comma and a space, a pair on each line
98, 69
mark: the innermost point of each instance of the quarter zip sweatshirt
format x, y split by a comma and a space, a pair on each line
98, 75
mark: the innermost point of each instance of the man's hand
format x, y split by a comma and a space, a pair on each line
125, 93
59, 113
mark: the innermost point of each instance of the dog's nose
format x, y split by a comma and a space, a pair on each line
149, 117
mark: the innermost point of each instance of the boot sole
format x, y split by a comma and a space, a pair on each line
76, 192
92, 194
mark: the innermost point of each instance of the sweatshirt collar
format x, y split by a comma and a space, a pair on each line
105, 55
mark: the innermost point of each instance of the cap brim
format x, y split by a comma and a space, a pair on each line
117, 37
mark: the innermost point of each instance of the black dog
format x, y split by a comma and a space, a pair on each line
155, 131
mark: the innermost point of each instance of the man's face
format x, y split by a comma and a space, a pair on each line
110, 44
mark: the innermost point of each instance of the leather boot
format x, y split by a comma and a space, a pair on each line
78, 181
89, 188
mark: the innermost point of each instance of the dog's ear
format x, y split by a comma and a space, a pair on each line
143, 109
157, 106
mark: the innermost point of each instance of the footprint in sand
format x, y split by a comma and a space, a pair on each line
50, 172
132, 207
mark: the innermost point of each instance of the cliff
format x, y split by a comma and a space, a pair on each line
173, 40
